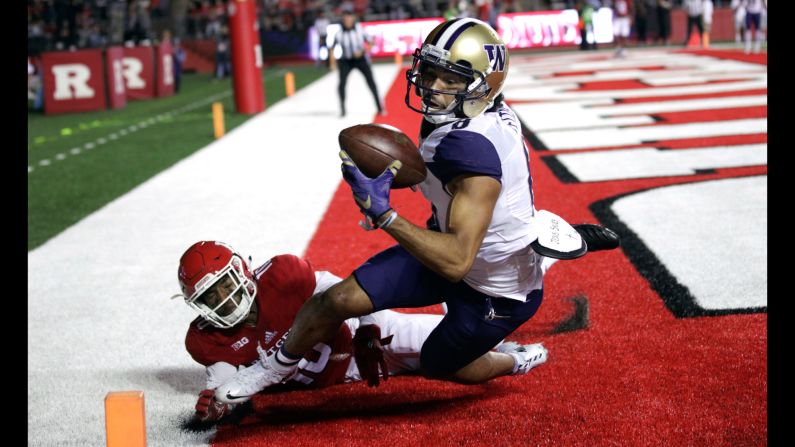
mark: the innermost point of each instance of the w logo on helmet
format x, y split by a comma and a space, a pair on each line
496, 54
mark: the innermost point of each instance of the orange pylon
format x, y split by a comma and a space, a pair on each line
125, 419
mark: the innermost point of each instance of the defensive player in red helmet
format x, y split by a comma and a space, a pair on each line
244, 312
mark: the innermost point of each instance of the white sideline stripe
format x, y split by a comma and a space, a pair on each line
531, 80
553, 116
695, 78
565, 92
549, 116
651, 162
104, 318
657, 77
637, 58
142, 124
683, 105
60, 156
611, 136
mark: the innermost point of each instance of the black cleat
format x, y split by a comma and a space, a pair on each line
598, 237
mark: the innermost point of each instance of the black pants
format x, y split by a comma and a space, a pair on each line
363, 65
584, 45
640, 26
663, 23
694, 21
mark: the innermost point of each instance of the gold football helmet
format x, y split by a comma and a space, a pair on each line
466, 47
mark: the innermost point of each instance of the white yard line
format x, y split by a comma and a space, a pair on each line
144, 123
162, 116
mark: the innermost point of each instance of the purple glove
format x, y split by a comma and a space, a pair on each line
372, 195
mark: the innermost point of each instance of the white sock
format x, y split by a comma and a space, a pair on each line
760, 37
546, 263
517, 360
747, 41
282, 362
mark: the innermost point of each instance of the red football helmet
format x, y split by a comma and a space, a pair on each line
206, 264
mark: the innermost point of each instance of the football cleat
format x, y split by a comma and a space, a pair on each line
248, 381
598, 237
527, 356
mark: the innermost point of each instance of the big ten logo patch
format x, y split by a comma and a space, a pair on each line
240, 343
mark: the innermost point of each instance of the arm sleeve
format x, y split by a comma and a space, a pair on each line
218, 373
324, 280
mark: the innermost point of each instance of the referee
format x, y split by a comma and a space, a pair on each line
351, 38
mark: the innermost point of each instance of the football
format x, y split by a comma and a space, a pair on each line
374, 146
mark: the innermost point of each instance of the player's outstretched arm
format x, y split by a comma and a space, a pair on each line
452, 254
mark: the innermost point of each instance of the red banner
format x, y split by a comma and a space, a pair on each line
114, 74
390, 37
138, 68
518, 30
73, 81
165, 69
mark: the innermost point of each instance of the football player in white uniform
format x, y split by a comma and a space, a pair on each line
476, 256
755, 10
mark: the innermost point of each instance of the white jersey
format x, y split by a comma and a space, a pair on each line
754, 6
693, 7
490, 144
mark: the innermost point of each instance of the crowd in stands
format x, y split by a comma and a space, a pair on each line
55, 25
72, 24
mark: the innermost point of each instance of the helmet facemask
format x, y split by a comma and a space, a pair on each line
432, 56
225, 298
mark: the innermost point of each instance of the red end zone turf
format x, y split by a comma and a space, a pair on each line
636, 376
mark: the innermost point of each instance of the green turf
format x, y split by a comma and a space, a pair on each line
66, 190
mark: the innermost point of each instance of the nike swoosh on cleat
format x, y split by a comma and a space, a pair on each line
231, 397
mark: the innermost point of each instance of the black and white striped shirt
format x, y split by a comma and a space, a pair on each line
351, 40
